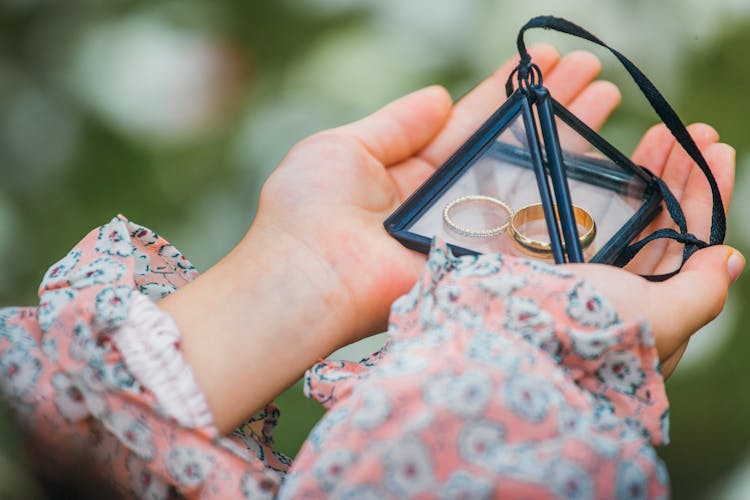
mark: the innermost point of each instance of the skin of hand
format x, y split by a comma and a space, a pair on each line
317, 270
680, 306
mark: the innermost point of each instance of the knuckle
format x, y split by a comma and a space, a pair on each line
586, 57
658, 129
325, 142
608, 87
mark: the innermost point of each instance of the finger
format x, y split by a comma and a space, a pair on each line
403, 127
683, 304
409, 175
571, 75
592, 106
654, 148
483, 100
666, 255
679, 164
652, 152
698, 200
677, 172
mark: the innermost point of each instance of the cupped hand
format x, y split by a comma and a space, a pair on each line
333, 190
317, 270
683, 304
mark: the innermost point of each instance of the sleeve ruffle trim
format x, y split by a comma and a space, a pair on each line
149, 343
98, 364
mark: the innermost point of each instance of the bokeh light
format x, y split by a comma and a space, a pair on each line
174, 113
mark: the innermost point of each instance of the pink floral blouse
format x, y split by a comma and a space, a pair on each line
502, 377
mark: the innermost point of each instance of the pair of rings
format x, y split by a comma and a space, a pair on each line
516, 220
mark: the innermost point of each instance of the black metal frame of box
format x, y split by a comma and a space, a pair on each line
548, 164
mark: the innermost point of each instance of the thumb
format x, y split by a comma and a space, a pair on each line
693, 297
403, 127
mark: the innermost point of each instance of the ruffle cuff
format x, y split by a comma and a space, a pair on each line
149, 343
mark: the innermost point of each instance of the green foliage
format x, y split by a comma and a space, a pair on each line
51, 195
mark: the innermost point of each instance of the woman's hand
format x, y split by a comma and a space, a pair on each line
340, 185
317, 270
333, 191
680, 306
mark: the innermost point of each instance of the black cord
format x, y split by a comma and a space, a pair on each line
526, 74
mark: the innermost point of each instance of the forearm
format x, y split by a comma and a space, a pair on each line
255, 321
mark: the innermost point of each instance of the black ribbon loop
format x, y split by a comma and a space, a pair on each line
527, 74
675, 126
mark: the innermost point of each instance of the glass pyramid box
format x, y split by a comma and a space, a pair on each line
494, 194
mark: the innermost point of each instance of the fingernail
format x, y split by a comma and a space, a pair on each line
735, 265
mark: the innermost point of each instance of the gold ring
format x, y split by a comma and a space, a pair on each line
478, 233
535, 212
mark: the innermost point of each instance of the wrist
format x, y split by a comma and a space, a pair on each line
316, 303
254, 322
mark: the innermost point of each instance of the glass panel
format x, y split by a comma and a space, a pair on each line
472, 213
610, 191
503, 172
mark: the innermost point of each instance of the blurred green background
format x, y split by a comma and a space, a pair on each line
173, 113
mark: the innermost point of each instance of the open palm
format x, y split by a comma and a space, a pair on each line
333, 191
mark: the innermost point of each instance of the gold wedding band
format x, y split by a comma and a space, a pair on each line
535, 212
476, 233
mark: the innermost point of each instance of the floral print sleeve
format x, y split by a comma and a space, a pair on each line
502, 377
98, 365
